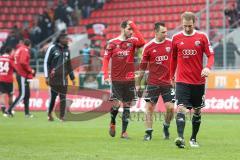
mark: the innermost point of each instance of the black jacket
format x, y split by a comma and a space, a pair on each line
57, 64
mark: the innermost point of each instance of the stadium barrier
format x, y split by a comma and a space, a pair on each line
222, 96
216, 101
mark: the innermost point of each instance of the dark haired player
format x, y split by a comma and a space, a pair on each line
121, 51
24, 72
6, 78
156, 58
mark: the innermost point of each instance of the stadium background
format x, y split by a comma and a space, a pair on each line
95, 22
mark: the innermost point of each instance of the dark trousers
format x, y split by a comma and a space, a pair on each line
53, 97
24, 94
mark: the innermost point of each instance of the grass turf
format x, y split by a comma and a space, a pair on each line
38, 139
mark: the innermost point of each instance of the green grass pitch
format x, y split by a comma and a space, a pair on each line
38, 139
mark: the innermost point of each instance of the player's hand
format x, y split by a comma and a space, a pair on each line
132, 24
107, 81
173, 83
139, 91
73, 82
129, 22
205, 72
138, 87
47, 81
33, 72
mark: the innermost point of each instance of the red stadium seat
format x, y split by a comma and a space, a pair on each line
13, 17
1, 25
42, 3
17, 3
3, 17
21, 17
25, 3
9, 24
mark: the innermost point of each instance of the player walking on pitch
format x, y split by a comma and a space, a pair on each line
57, 68
6, 78
189, 46
157, 56
24, 73
121, 52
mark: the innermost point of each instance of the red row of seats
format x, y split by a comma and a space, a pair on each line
146, 11
149, 34
21, 3
215, 23
153, 11
155, 3
15, 10
144, 26
76, 30
15, 17
143, 19
9, 24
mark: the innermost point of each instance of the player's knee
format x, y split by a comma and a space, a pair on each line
126, 114
169, 107
181, 108
116, 103
196, 116
127, 104
181, 111
149, 107
197, 111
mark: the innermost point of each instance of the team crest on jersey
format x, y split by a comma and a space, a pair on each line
129, 45
168, 49
197, 43
154, 51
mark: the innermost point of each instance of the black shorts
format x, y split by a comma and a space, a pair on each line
191, 96
6, 88
152, 93
123, 91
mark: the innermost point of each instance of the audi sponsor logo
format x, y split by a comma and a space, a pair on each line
189, 52
159, 59
123, 53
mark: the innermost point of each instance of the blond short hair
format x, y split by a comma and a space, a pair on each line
188, 16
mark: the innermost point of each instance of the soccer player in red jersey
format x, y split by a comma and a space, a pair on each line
121, 51
6, 78
189, 46
157, 56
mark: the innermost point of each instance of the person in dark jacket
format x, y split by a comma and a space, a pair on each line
24, 73
232, 50
57, 67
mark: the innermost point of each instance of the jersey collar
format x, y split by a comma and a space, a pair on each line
185, 34
155, 41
